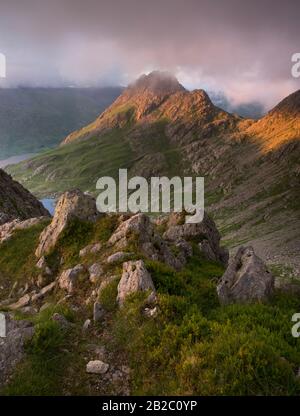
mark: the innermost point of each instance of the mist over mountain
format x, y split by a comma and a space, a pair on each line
251, 109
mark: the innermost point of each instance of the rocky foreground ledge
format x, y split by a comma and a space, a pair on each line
94, 263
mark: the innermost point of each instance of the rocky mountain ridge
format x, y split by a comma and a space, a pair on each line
157, 128
16, 202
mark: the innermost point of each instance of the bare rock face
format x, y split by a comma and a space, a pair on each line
135, 278
70, 278
139, 231
72, 204
204, 232
17, 202
7, 230
12, 346
246, 279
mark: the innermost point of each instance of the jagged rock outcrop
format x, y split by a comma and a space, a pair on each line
71, 205
246, 279
12, 346
139, 99
139, 231
205, 232
135, 278
7, 230
16, 202
70, 279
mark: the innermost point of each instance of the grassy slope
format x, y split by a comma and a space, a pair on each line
76, 165
17, 259
79, 165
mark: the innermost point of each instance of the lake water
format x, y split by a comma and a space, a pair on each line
49, 204
15, 159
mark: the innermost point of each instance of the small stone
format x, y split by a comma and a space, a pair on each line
116, 257
151, 313
151, 299
90, 249
96, 272
98, 312
87, 324
117, 375
41, 264
61, 320
23, 301
28, 310
125, 369
97, 367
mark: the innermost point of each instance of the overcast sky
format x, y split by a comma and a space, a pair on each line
242, 48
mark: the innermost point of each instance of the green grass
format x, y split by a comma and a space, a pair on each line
17, 258
77, 165
43, 370
195, 346
81, 164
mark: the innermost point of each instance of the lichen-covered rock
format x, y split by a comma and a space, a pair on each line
205, 230
246, 279
135, 278
71, 205
12, 346
138, 231
69, 279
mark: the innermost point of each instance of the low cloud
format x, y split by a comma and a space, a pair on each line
242, 49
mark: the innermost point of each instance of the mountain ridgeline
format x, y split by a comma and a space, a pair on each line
156, 127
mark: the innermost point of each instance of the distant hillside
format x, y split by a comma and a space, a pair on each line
32, 119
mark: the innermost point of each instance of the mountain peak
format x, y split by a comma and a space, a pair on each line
157, 82
289, 106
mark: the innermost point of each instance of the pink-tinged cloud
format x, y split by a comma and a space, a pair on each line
241, 48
